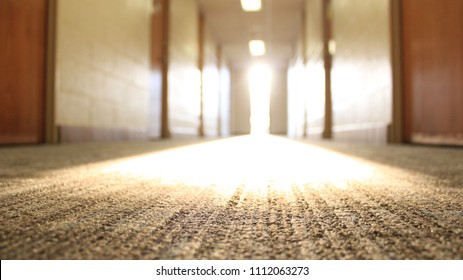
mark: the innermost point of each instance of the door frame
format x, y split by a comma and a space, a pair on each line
51, 131
398, 131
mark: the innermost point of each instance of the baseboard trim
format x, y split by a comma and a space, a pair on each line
315, 133
451, 140
369, 132
73, 134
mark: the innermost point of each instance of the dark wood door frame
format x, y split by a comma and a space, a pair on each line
397, 131
165, 9
51, 131
201, 38
159, 68
327, 17
165, 128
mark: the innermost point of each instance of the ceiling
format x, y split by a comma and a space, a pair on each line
278, 24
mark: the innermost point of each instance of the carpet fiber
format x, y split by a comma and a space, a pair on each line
237, 198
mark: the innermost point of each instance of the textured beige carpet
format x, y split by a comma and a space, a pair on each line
237, 198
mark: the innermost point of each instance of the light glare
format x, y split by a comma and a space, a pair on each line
251, 5
254, 162
257, 47
260, 85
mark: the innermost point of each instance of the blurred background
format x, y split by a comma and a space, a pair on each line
382, 71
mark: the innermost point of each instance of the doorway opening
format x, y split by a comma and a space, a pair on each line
260, 85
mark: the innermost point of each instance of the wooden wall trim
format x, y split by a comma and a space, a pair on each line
450, 140
51, 132
327, 17
395, 134
201, 39
165, 131
367, 132
305, 59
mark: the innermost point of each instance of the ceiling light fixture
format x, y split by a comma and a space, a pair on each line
257, 47
251, 5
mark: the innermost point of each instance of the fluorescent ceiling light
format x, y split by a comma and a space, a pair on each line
251, 5
257, 47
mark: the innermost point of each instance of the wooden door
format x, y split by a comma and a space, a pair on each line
432, 46
159, 101
22, 70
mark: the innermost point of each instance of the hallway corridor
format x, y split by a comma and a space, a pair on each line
248, 197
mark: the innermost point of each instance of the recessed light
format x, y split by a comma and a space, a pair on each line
251, 5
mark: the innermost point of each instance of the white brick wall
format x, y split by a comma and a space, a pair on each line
184, 75
103, 63
361, 73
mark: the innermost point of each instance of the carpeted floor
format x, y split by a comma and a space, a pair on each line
238, 198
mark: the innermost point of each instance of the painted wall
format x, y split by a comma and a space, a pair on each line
184, 77
240, 102
278, 102
102, 64
297, 95
211, 85
296, 90
225, 99
361, 70
315, 71
306, 77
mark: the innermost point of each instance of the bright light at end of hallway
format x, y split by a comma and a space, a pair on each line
251, 5
260, 83
254, 162
257, 47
